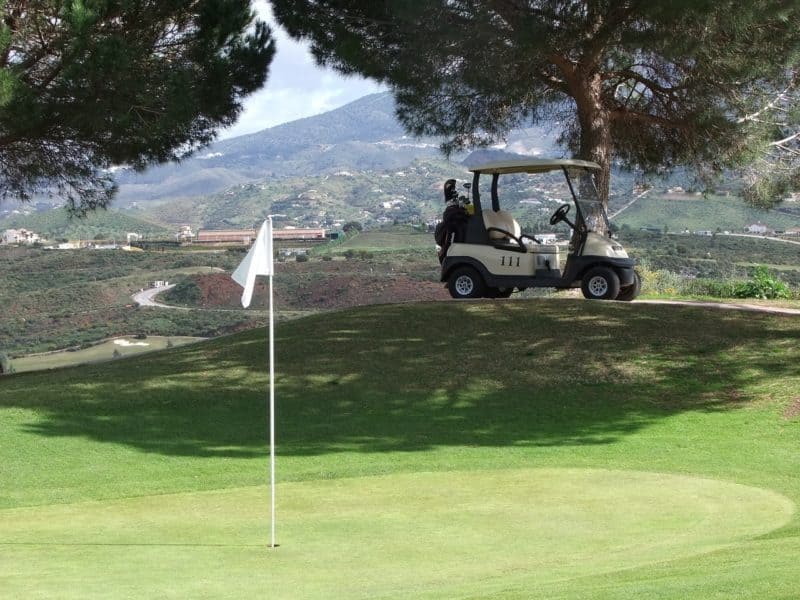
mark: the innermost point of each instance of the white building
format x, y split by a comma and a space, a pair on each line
20, 236
758, 228
185, 233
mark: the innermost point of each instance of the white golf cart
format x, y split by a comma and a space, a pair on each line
490, 256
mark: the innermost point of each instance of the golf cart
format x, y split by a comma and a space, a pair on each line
490, 257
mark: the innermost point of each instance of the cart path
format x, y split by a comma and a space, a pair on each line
727, 306
147, 297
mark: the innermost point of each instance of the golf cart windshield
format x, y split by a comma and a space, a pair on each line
587, 200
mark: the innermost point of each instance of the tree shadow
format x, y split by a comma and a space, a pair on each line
412, 377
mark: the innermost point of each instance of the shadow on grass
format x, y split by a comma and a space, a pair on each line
412, 377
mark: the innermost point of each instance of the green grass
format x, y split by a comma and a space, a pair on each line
104, 351
536, 448
382, 240
727, 213
475, 526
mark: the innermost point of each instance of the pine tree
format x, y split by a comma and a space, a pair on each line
89, 84
650, 85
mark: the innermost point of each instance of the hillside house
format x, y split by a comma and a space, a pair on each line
20, 236
184, 234
758, 228
792, 231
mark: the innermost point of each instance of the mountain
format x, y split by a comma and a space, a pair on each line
362, 135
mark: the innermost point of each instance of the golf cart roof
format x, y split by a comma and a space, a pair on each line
532, 165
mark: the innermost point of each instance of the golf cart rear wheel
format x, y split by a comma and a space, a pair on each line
600, 283
630, 292
466, 282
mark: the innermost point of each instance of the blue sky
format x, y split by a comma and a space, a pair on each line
296, 86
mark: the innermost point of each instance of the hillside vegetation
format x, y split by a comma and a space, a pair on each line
62, 298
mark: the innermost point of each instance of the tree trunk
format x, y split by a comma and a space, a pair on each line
595, 125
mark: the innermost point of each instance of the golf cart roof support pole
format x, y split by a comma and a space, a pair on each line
495, 199
569, 183
476, 194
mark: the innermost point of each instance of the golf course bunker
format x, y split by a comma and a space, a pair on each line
436, 534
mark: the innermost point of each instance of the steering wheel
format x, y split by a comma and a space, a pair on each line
560, 214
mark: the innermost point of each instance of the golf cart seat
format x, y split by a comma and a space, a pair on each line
499, 224
500, 220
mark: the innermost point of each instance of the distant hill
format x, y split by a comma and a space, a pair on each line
112, 224
363, 136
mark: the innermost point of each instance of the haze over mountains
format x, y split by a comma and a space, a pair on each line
361, 136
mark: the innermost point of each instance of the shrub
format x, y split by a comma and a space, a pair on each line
762, 285
185, 291
711, 287
659, 282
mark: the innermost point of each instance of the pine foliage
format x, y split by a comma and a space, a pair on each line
89, 84
651, 85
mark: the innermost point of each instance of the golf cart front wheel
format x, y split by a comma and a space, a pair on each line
466, 282
600, 283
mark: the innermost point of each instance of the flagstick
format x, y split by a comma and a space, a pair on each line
271, 398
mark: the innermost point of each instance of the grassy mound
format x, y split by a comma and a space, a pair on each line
519, 403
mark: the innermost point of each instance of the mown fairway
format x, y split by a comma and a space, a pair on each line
518, 449
102, 352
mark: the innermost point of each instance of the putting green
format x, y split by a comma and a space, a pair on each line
409, 535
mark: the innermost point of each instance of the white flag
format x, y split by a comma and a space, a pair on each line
257, 262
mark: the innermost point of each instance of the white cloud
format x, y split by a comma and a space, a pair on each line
296, 86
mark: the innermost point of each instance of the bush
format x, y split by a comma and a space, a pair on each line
659, 282
185, 292
763, 286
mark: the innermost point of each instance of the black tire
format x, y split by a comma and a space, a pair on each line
630, 292
600, 283
466, 282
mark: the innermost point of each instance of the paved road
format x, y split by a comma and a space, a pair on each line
147, 297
